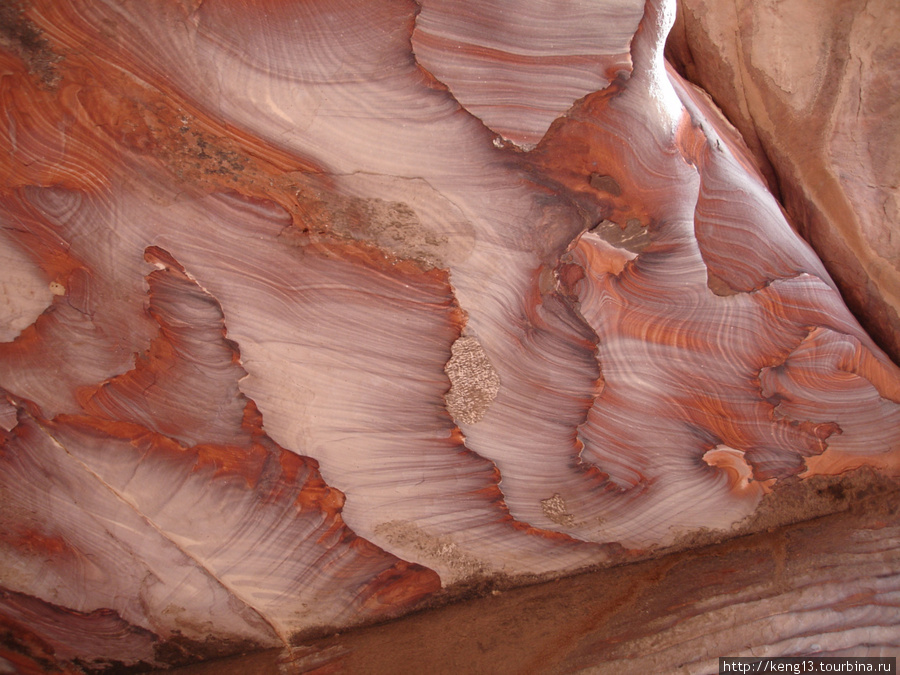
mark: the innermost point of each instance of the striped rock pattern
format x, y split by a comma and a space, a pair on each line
312, 309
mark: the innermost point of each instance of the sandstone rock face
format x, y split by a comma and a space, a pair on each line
312, 311
812, 87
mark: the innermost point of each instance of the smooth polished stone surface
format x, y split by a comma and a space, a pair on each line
299, 335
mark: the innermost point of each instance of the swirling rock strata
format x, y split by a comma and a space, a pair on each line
810, 86
295, 335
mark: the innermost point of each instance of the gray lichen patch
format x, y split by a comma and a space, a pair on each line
438, 552
555, 509
474, 382
404, 217
392, 226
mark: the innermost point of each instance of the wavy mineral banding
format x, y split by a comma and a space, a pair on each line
505, 63
56, 632
691, 358
366, 356
103, 553
276, 521
814, 109
293, 338
257, 522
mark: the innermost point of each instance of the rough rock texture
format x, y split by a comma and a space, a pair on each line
812, 87
316, 313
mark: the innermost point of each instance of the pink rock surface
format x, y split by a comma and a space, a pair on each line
307, 317
812, 88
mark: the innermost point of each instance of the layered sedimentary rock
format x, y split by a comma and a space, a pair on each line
822, 588
812, 88
313, 309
